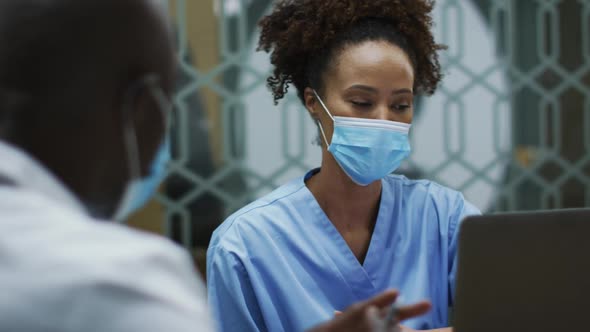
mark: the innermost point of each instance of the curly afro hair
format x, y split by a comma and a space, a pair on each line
304, 36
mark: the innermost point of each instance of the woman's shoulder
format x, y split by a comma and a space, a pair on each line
404, 183
258, 217
428, 190
431, 199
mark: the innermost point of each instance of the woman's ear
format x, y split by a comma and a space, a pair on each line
311, 103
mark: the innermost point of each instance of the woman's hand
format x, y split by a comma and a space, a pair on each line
368, 316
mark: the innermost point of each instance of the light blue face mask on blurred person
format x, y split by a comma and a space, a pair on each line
367, 149
139, 190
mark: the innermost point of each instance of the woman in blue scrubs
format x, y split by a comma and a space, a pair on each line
348, 230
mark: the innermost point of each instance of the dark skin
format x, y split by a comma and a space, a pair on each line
372, 80
70, 97
364, 316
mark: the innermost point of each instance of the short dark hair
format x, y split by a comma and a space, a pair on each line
61, 58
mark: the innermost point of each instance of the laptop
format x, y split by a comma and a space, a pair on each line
524, 272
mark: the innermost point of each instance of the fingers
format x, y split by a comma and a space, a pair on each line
385, 299
369, 315
413, 310
382, 300
373, 319
360, 318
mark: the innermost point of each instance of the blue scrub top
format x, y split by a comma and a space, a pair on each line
279, 264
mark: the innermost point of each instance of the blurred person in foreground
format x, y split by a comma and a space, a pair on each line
84, 97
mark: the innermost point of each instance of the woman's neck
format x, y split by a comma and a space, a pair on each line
345, 203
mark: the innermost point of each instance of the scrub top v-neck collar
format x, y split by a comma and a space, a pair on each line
360, 277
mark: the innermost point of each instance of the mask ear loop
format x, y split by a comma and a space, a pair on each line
166, 108
327, 112
323, 133
164, 103
130, 142
129, 134
323, 105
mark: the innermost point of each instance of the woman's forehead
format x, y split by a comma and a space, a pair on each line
372, 61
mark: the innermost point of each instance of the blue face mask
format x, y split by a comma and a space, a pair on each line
367, 149
139, 190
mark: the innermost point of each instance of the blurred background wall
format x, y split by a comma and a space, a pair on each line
509, 127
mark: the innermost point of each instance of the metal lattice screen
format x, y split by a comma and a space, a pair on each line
510, 126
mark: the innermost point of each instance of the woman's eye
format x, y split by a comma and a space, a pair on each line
361, 103
402, 107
